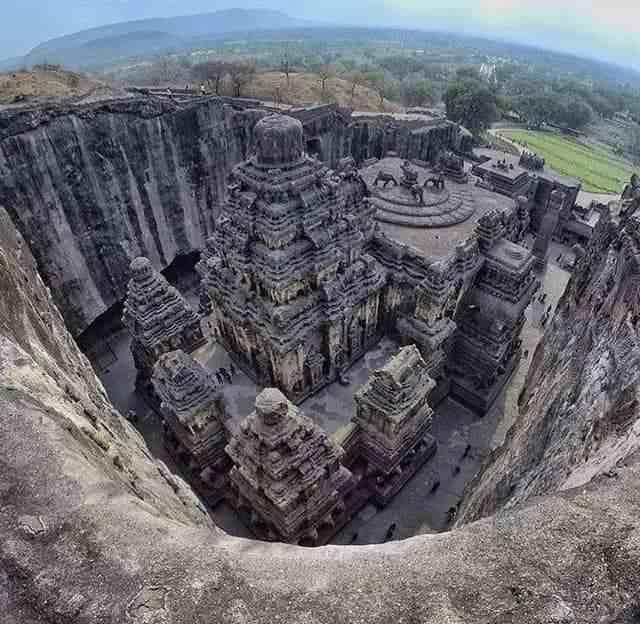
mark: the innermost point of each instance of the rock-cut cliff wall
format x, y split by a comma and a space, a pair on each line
91, 187
94, 531
579, 409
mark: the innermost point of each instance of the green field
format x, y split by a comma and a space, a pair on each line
599, 169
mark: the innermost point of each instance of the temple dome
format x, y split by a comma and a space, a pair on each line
141, 267
271, 405
278, 140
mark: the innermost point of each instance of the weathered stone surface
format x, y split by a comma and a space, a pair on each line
547, 229
579, 408
195, 421
92, 187
393, 422
43, 372
158, 318
294, 297
287, 471
113, 551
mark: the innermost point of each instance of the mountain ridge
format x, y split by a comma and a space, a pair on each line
82, 49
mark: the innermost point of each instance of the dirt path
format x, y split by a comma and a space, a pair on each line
496, 133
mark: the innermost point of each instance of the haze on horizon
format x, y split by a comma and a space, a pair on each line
605, 30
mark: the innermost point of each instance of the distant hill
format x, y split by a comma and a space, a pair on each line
107, 44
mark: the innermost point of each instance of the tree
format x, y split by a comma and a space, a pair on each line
471, 103
356, 79
634, 141
384, 85
578, 113
468, 73
417, 92
285, 65
212, 73
400, 66
164, 71
325, 71
241, 75
538, 110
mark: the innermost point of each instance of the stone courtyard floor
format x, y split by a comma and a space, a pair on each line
414, 510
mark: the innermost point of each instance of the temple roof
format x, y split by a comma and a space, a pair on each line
280, 452
402, 382
154, 310
186, 389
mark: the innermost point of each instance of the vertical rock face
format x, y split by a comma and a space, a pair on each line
93, 187
88, 538
579, 408
48, 390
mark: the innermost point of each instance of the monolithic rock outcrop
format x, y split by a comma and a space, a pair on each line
94, 531
49, 390
579, 408
93, 186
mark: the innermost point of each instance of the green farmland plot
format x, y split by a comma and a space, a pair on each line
599, 169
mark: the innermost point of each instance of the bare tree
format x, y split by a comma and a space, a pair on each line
384, 86
325, 72
356, 79
164, 71
212, 73
241, 75
286, 65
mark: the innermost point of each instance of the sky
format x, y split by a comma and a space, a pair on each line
604, 29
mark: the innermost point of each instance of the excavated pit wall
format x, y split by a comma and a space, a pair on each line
91, 187
94, 531
579, 410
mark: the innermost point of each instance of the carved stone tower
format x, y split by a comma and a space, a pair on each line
547, 229
393, 417
287, 474
294, 298
431, 326
158, 318
490, 318
195, 419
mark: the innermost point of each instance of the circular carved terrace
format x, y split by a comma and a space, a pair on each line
397, 204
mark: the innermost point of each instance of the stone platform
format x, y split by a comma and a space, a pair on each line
396, 205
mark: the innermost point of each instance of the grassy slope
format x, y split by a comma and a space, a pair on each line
598, 168
42, 83
305, 89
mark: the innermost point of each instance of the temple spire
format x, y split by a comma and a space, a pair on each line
288, 471
158, 318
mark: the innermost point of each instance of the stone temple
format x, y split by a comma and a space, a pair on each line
159, 319
393, 423
287, 473
97, 524
195, 420
296, 298
301, 282
308, 269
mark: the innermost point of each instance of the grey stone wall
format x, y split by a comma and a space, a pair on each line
579, 409
93, 187
86, 538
